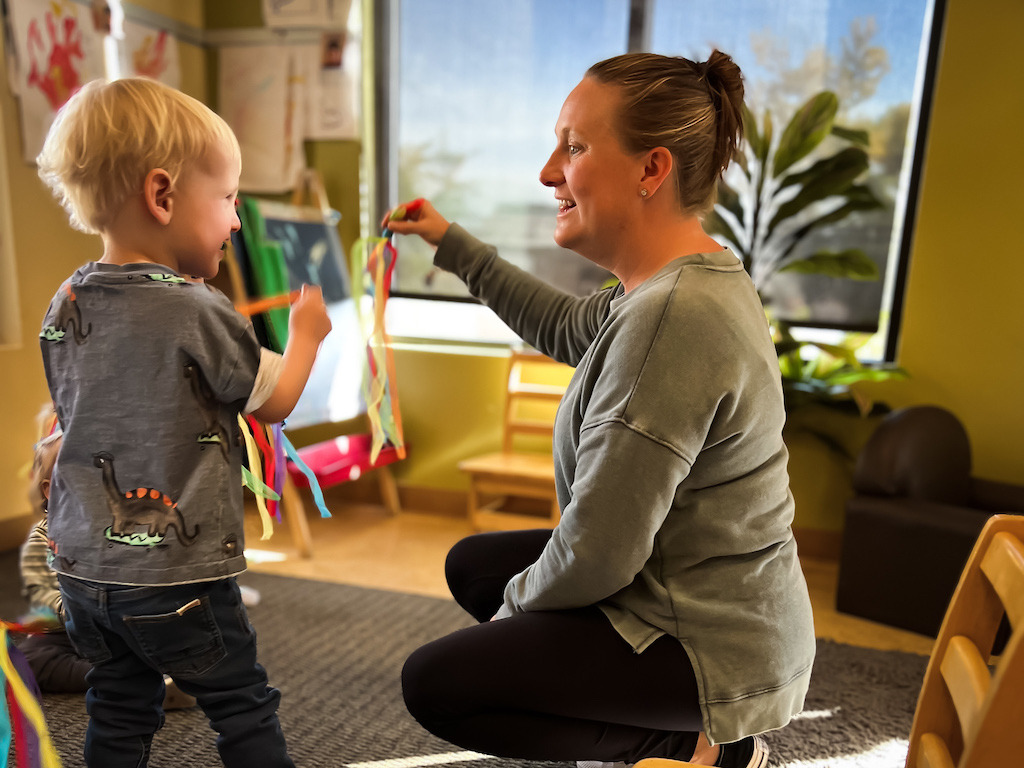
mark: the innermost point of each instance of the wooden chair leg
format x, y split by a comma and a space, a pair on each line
295, 511
389, 490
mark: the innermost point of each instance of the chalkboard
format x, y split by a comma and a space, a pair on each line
301, 246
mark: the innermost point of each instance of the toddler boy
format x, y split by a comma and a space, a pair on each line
148, 371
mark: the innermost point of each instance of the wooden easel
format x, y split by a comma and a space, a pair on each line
309, 191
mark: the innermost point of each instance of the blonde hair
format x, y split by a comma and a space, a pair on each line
109, 135
693, 110
44, 457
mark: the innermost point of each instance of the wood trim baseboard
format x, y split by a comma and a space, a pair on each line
822, 545
811, 542
14, 530
413, 498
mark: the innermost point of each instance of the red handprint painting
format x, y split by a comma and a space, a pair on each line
58, 51
152, 53
55, 61
149, 59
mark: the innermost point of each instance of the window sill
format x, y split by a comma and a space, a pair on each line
446, 323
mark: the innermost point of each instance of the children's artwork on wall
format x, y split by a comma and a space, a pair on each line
329, 93
259, 94
58, 49
152, 53
306, 13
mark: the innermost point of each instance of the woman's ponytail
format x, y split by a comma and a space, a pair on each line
725, 82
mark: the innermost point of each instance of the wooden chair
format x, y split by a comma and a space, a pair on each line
968, 717
501, 482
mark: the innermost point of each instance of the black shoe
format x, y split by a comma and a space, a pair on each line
750, 752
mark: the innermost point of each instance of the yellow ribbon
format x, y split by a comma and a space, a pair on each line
257, 470
28, 704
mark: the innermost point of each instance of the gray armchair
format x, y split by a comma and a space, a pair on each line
913, 520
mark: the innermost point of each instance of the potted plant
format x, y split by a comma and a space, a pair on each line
768, 212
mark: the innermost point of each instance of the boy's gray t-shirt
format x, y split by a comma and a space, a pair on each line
148, 373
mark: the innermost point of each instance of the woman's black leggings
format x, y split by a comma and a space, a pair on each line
546, 685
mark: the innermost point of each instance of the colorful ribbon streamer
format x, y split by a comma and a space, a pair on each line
250, 478
314, 484
21, 707
379, 375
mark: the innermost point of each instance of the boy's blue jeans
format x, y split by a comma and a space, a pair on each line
200, 635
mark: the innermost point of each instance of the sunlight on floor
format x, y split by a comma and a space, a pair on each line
257, 556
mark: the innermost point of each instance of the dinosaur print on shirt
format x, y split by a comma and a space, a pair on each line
68, 315
210, 407
140, 507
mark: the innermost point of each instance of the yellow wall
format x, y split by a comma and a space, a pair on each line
47, 251
963, 330
963, 337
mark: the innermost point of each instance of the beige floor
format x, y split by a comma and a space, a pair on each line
364, 546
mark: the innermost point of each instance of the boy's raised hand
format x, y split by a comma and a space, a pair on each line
308, 318
421, 219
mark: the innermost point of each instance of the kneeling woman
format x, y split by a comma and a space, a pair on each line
666, 615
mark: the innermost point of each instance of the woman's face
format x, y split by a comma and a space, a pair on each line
596, 183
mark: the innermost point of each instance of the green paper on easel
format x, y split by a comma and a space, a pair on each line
269, 271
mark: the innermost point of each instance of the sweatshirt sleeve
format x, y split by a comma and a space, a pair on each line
623, 489
558, 324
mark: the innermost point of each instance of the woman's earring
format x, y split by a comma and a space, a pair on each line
643, 192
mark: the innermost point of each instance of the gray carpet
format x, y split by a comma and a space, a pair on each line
336, 653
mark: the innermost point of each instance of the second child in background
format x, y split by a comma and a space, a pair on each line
56, 665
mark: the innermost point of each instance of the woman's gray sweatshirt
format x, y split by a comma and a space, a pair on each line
671, 475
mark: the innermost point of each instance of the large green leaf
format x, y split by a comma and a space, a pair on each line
740, 158
767, 137
881, 373
833, 176
852, 264
728, 199
859, 197
714, 224
785, 346
808, 128
856, 136
750, 131
849, 158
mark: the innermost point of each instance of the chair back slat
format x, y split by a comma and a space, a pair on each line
1003, 564
999, 739
933, 753
524, 392
967, 678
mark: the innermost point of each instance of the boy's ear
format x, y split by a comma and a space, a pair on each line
44, 488
158, 191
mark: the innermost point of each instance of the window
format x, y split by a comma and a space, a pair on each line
479, 87
472, 90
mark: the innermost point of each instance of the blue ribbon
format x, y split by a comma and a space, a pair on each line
314, 484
